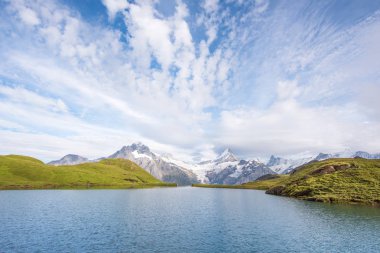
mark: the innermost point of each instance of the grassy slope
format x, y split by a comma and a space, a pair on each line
358, 184
22, 172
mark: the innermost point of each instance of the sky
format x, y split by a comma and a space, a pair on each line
189, 78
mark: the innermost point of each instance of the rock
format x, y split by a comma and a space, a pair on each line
342, 167
277, 190
327, 169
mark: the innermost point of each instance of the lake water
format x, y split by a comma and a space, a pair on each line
180, 220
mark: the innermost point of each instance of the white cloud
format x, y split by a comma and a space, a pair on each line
29, 17
288, 127
23, 96
287, 90
210, 5
115, 6
79, 87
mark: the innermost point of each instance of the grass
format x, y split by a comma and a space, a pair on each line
358, 182
22, 172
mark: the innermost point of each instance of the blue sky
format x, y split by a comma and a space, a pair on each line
189, 77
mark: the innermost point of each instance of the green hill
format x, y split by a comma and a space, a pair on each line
344, 180
352, 180
22, 172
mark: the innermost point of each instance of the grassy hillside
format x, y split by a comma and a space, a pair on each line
345, 180
22, 172
334, 180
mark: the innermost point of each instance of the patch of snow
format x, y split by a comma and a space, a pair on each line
136, 154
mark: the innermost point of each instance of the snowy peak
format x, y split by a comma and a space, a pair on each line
226, 156
163, 168
273, 160
69, 159
135, 150
323, 156
140, 148
366, 155
282, 165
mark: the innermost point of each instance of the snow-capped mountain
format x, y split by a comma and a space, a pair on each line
69, 159
224, 169
228, 169
173, 171
282, 165
160, 167
366, 155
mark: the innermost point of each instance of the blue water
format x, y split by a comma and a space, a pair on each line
180, 220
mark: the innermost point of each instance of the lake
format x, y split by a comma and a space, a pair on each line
182, 219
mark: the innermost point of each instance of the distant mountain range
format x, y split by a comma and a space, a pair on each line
224, 169
285, 166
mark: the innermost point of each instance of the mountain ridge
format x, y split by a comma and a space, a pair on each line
226, 168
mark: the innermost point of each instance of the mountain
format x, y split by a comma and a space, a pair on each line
22, 172
284, 166
226, 156
161, 167
366, 155
69, 159
224, 169
228, 169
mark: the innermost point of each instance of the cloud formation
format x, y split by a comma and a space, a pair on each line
260, 77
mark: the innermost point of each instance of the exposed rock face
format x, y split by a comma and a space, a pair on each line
140, 154
276, 190
156, 165
69, 159
284, 166
227, 169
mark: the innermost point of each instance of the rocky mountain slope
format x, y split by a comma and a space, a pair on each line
283, 166
228, 169
158, 166
224, 169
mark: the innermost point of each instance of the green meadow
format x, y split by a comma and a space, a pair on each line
22, 172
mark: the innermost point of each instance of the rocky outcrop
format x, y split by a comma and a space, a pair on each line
328, 169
